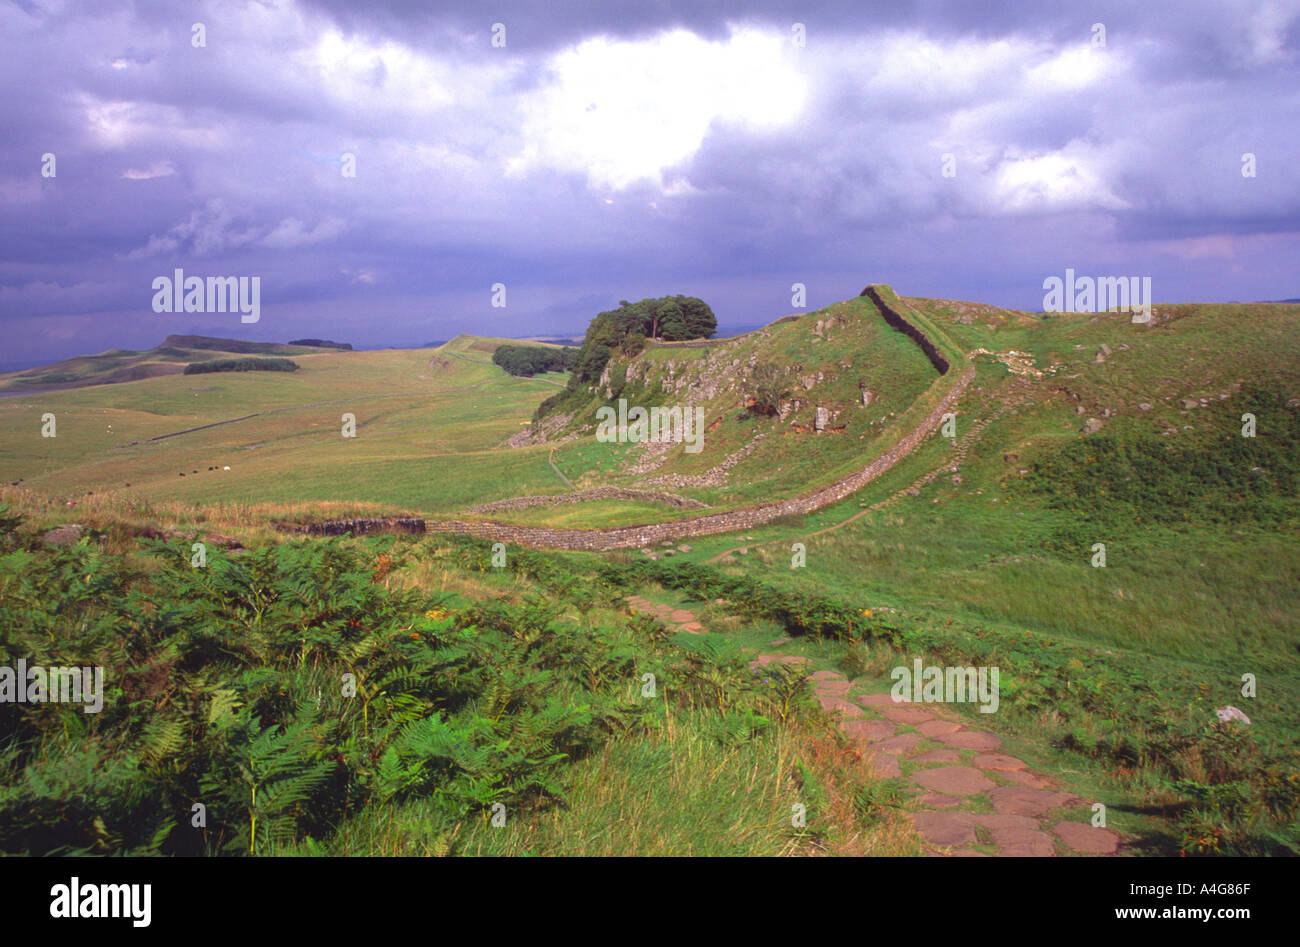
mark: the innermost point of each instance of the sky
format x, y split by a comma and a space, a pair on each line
580, 153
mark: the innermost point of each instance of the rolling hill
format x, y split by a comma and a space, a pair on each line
123, 365
444, 431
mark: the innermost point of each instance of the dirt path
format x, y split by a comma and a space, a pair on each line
550, 459
964, 792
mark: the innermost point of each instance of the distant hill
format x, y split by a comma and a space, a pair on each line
553, 340
540, 339
123, 365
239, 346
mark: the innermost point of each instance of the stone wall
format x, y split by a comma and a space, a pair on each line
895, 319
629, 537
585, 496
391, 524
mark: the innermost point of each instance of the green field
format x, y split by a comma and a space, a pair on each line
428, 425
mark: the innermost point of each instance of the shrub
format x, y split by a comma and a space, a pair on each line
1127, 477
242, 365
288, 691
528, 360
767, 386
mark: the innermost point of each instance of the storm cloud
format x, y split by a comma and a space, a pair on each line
606, 151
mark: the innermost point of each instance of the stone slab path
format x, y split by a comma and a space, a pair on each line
967, 794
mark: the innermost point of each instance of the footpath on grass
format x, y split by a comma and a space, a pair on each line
968, 799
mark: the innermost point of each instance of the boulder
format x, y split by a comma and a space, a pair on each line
64, 535
1232, 713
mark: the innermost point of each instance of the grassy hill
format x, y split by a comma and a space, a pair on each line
827, 358
428, 424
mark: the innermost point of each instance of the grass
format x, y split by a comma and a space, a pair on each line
676, 791
591, 514
426, 437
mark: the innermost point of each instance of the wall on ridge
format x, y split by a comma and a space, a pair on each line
895, 319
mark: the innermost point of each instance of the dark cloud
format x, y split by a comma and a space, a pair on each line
728, 166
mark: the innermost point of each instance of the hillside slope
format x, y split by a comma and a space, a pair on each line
846, 378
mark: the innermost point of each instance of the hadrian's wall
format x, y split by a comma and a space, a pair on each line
625, 537
586, 496
895, 319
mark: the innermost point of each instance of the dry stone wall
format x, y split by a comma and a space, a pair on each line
895, 319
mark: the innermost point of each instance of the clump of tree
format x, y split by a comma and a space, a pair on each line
529, 360
324, 344
242, 365
628, 328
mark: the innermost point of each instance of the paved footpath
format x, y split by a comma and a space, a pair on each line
965, 792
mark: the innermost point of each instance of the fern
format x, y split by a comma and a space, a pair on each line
163, 737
